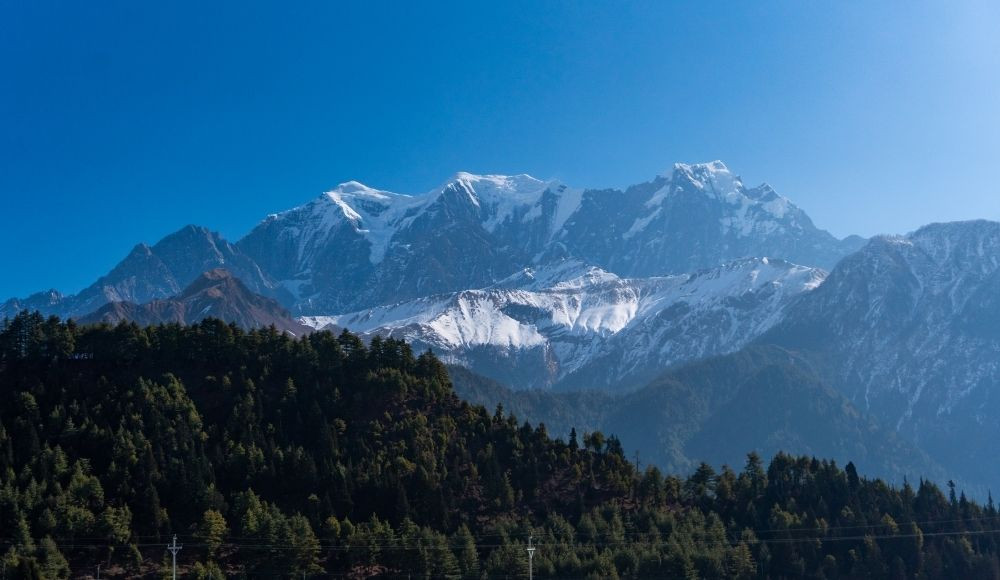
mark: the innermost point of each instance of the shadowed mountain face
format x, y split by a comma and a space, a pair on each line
761, 398
213, 294
154, 272
895, 357
909, 330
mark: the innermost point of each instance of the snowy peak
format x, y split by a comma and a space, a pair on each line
716, 181
712, 177
359, 189
702, 215
500, 197
711, 167
492, 187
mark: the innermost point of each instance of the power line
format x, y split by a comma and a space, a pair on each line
922, 523
604, 544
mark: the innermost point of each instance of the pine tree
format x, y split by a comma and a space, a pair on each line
212, 531
468, 556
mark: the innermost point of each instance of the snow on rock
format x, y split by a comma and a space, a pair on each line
357, 247
577, 317
378, 215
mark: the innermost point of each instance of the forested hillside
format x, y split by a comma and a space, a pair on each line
762, 398
271, 455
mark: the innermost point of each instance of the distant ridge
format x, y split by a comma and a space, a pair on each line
214, 294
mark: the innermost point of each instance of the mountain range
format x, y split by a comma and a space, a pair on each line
356, 247
531, 282
697, 313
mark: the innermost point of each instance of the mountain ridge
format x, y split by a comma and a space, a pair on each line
511, 222
357, 247
578, 326
151, 272
215, 293
907, 329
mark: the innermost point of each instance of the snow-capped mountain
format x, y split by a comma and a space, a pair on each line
580, 326
909, 329
356, 247
698, 216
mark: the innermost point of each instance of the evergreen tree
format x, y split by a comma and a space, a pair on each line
467, 554
212, 530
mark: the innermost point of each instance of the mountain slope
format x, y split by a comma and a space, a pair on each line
357, 246
214, 294
698, 216
909, 330
764, 399
576, 326
154, 272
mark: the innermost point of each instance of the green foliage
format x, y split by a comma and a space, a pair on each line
269, 455
207, 571
212, 530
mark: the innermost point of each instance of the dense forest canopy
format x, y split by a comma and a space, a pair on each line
270, 455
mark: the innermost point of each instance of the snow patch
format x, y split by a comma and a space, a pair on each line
579, 313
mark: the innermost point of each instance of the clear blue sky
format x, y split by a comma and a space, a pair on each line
121, 122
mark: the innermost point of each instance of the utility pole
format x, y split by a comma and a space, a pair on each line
531, 558
173, 547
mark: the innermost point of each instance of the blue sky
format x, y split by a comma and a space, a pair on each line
121, 122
